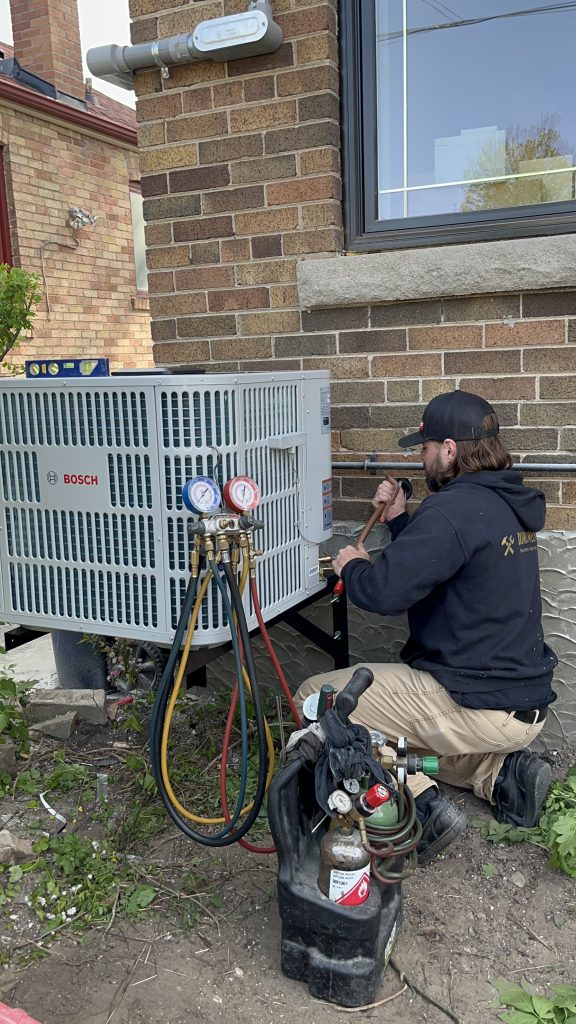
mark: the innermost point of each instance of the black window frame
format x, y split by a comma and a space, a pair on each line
363, 231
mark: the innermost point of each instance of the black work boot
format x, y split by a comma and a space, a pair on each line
442, 821
521, 789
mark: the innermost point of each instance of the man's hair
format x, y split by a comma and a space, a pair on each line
485, 453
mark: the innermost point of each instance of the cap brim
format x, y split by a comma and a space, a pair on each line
411, 440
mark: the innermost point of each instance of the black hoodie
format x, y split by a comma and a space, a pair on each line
465, 568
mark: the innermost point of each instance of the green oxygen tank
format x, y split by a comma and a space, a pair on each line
385, 812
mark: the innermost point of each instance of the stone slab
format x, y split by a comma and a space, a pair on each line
13, 849
88, 705
520, 264
7, 757
59, 728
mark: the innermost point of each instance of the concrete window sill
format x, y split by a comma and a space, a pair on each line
523, 264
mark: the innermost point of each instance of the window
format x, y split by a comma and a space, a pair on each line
5, 246
459, 122
139, 240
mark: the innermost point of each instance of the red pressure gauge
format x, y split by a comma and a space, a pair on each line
242, 494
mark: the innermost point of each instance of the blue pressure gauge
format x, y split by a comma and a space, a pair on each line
201, 494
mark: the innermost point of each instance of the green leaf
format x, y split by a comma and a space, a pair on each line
15, 873
140, 898
544, 1008
489, 870
517, 1017
512, 995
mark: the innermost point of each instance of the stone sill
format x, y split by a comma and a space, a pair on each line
517, 265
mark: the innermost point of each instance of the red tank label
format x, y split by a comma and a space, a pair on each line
350, 888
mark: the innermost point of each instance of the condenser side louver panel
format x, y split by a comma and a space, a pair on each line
93, 534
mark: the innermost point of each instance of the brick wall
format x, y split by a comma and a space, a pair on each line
241, 170
92, 289
47, 42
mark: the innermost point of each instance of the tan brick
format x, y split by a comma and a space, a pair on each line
238, 298
549, 360
406, 366
163, 281
569, 492
202, 227
321, 215
232, 199
199, 98
187, 20
560, 518
261, 88
269, 323
305, 190
568, 439
233, 249
151, 134
197, 126
284, 296
228, 94
241, 348
263, 115
158, 234
370, 440
203, 72
503, 361
281, 58
316, 160
431, 388
307, 80
218, 326
156, 108
558, 387
444, 338
266, 222
204, 277
527, 332
358, 393
168, 158
177, 305
302, 242
303, 22
270, 365
403, 390
341, 367
182, 352
172, 256
495, 388
316, 48
267, 272
246, 172
530, 439
548, 414
231, 148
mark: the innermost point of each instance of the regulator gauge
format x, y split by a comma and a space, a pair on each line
201, 494
242, 494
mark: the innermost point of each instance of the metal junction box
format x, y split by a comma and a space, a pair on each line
93, 532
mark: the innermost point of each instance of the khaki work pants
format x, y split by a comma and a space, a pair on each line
471, 745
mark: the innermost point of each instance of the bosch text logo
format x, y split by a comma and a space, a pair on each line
86, 479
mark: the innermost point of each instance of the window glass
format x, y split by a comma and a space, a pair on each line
475, 105
136, 207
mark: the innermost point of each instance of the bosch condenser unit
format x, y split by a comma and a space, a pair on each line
93, 530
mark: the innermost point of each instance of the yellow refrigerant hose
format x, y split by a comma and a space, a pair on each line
172, 703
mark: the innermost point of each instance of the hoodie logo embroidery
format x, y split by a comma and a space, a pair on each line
508, 545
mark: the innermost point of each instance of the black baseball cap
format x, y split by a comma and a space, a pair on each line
457, 414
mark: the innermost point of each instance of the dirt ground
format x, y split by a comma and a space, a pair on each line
460, 929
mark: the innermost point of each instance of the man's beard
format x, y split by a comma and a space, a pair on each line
436, 477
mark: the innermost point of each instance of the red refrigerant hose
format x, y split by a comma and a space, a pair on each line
230, 719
